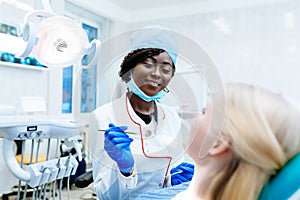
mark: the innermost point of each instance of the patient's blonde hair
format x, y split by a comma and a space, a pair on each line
264, 131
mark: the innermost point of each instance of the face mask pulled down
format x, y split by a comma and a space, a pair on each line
137, 91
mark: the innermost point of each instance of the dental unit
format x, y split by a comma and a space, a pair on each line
55, 41
36, 127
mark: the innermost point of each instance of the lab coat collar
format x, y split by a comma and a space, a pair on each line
126, 116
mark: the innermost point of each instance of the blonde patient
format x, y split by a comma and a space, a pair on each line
259, 135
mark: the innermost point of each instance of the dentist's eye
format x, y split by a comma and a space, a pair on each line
148, 65
167, 71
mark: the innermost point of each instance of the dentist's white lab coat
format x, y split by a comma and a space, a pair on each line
148, 172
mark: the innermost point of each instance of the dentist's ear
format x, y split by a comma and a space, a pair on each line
221, 146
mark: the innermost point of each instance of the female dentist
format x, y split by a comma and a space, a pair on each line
140, 139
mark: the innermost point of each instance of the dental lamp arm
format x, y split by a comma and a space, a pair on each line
44, 4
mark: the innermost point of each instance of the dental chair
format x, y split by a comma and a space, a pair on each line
285, 184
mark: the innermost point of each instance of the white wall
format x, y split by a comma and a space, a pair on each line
22, 81
261, 46
256, 44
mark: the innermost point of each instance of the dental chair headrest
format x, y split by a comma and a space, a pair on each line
284, 184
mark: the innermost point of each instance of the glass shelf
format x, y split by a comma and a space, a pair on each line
17, 65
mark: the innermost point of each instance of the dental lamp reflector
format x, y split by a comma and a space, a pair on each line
60, 43
56, 41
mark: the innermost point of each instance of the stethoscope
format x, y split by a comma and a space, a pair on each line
142, 143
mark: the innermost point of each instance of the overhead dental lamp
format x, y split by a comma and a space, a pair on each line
54, 40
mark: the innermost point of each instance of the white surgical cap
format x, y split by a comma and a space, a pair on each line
156, 37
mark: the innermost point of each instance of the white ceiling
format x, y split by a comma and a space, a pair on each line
135, 5
143, 10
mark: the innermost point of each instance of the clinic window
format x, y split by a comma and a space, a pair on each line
67, 90
88, 79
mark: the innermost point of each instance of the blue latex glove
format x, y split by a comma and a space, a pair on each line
182, 173
117, 146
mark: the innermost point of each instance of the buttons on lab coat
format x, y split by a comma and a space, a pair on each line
148, 133
146, 147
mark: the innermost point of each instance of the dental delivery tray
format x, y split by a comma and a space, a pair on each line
18, 127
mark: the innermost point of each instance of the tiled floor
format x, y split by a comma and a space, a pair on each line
73, 194
79, 194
